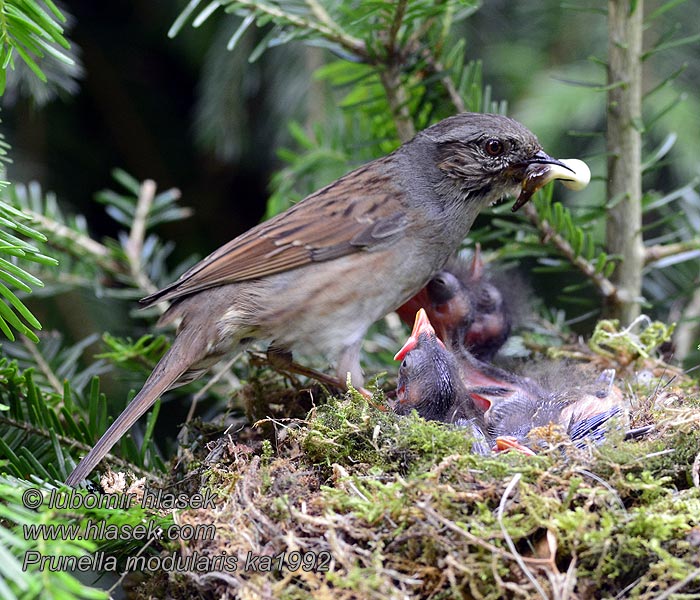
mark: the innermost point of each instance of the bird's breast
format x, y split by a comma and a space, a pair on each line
329, 306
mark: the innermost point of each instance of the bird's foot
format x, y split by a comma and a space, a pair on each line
282, 360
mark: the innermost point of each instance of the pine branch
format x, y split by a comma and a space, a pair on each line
38, 431
606, 288
328, 30
434, 67
42, 364
661, 251
399, 15
79, 245
398, 101
35, 432
624, 218
389, 66
134, 245
31, 32
322, 15
112, 458
64, 238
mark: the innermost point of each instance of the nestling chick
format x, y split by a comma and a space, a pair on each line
579, 408
465, 306
500, 406
429, 382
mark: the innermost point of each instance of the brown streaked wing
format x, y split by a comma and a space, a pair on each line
322, 227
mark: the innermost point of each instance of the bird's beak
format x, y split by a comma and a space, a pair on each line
476, 269
420, 326
510, 443
542, 168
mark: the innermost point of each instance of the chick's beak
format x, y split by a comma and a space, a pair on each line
504, 443
420, 326
541, 168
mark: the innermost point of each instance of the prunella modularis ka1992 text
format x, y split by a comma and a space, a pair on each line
316, 276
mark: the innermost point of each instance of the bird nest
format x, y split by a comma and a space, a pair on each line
353, 502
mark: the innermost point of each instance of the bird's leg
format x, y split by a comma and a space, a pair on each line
282, 360
349, 366
349, 363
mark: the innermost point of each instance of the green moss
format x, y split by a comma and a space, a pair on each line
405, 509
638, 340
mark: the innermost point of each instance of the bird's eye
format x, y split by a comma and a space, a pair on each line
439, 280
489, 298
443, 287
493, 147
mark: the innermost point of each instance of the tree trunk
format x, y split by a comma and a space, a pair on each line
623, 232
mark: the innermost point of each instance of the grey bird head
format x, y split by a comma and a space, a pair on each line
428, 379
487, 157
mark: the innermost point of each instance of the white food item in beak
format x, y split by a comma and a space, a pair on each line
577, 180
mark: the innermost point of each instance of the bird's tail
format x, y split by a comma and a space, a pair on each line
174, 364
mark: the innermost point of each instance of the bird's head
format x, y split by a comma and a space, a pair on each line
489, 315
467, 310
428, 374
450, 306
488, 157
446, 302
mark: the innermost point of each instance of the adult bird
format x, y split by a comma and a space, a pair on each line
316, 276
